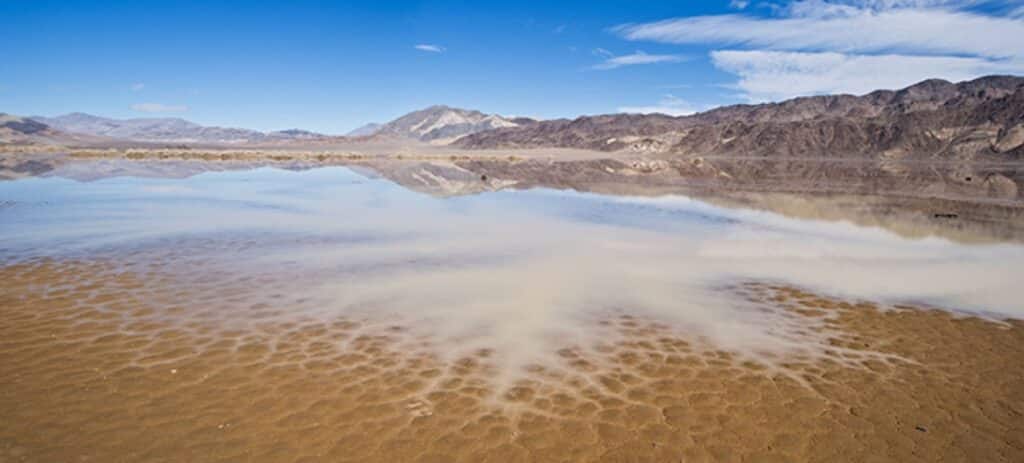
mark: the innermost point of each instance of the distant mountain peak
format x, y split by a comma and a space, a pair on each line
439, 123
365, 130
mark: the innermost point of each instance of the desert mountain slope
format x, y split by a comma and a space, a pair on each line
442, 123
982, 117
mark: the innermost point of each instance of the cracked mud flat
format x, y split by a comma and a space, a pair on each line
267, 316
108, 365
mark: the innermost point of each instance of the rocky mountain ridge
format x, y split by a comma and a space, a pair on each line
966, 120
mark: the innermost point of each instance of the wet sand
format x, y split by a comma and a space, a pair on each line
110, 362
328, 315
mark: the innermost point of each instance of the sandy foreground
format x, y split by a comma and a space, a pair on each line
103, 363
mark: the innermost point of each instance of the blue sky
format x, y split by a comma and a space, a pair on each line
331, 66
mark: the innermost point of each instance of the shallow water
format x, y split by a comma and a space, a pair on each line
538, 289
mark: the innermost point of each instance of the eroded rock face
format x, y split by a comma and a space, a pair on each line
1001, 186
1010, 139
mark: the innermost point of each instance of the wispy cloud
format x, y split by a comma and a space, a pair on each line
669, 104
776, 75
429, 48
817, 46
613, 62
159, 108
914, 31
138, 87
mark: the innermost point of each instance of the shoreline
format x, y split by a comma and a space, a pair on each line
913, 198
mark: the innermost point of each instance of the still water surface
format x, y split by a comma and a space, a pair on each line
511, 271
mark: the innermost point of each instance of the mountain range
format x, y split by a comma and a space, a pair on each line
977, 119
168, 130
435, 124
984, 116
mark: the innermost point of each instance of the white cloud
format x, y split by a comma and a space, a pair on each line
669, 104
138, 86
775, 75
738, 4
913, 31
159, 108
639, 57
851, 46
822, 8
429, 48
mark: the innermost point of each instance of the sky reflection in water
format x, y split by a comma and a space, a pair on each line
514, 271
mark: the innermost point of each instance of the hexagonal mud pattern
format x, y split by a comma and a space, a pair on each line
105, 364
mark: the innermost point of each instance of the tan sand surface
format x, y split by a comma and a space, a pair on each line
107, 363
